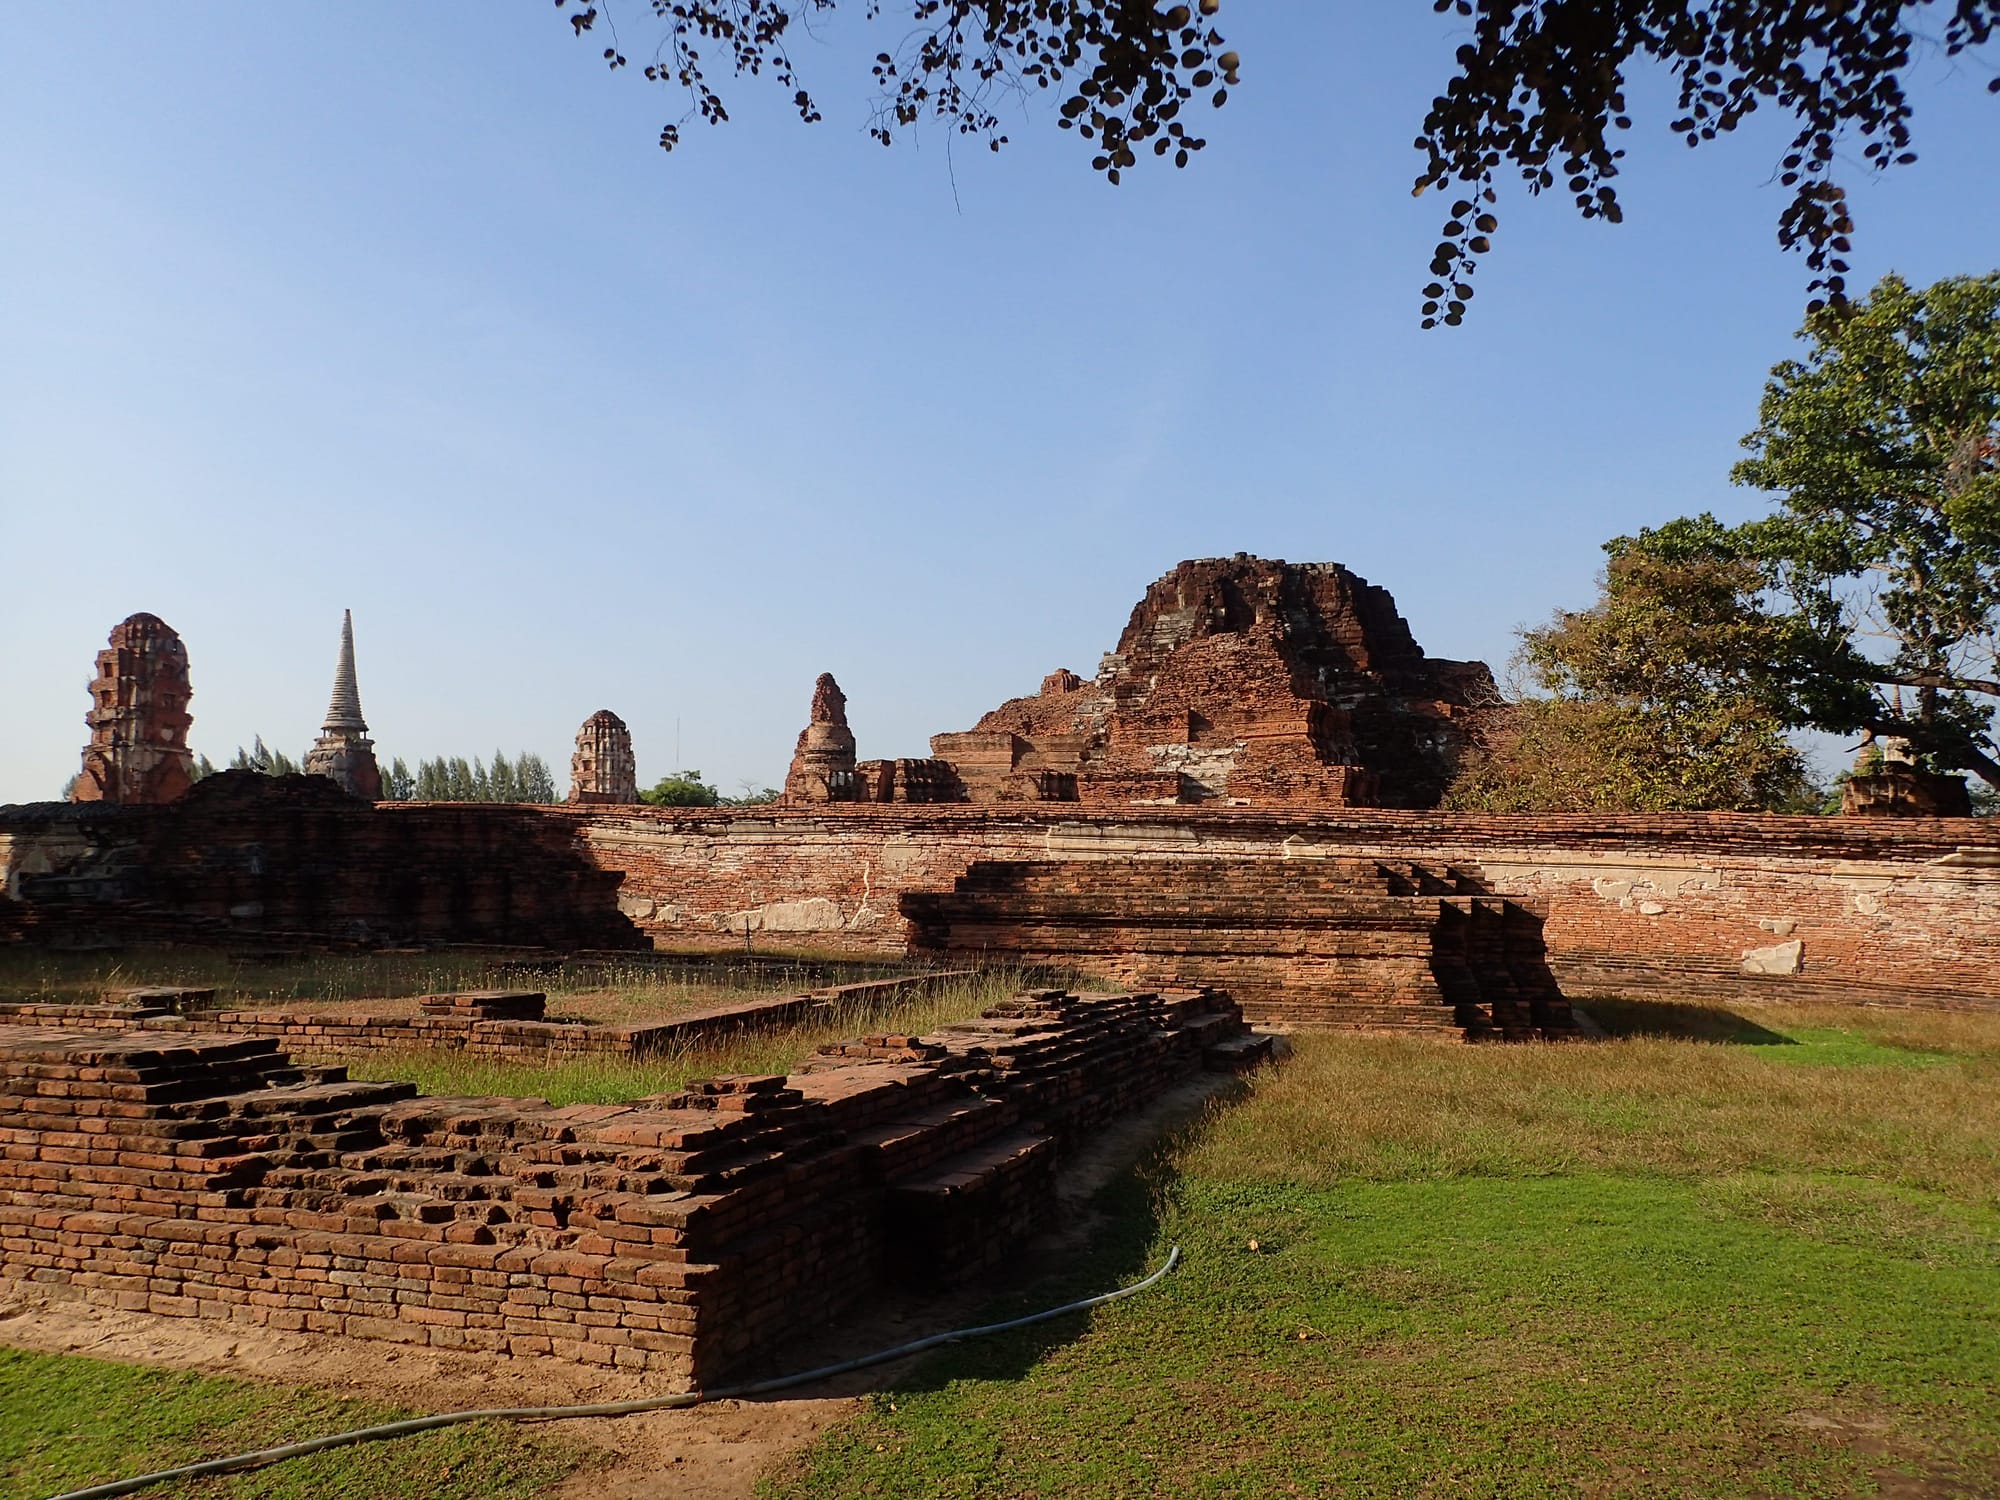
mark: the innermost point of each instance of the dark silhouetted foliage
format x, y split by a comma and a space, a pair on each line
1538, 88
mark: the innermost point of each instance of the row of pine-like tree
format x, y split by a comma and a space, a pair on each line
524, 778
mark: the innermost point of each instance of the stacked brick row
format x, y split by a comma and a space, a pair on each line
481, 1023
1331, 943
688, 1234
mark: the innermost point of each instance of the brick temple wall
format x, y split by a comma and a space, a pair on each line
277, 858
1881, 908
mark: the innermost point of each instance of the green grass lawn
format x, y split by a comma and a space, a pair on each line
66, 1423
1765, 1265
1724, 1253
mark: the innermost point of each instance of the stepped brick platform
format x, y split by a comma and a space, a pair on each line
689, 1233
1320, 943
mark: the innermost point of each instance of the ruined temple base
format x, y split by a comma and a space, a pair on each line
691, 1236
1329, 944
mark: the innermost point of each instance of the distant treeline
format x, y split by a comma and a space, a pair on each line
525, 778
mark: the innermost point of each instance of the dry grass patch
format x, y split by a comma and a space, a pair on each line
610, 990
1390, 1108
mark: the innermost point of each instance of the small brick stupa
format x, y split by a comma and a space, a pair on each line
822, 768
603, 770
343, 752
138, 718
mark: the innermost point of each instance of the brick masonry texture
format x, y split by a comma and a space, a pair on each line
139, 719
1243, 680
602, 770
296, 857
1319, 943
1884, 909
689, 1234
478, 1029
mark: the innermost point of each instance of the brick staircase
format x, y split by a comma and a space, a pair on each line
1317, 944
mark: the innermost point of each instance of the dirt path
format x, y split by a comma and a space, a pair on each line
709, 1452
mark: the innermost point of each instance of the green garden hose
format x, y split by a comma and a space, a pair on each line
386, 1430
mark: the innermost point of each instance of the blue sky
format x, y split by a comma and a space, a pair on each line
401, 309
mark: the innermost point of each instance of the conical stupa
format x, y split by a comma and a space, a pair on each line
343, 751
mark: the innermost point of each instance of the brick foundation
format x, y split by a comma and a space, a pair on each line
469, 1029
1320, 944
689, 1234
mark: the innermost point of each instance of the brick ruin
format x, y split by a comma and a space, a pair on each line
490, 1023
343, 753
822, 768
294, 859
138, 751
603, 772
1886, 782
688, 1234
1233, 818
1253, 711
1326, 943
1239, 680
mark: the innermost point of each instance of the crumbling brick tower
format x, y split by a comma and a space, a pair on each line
822, 768
603, 770
343, 752
1241, 680
138, 718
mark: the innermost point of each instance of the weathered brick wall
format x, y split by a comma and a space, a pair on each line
689, 1234
1881, 908
283, 857
1320, 944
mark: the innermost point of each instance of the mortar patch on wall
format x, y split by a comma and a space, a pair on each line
1115, 840
1612, 882
1779, 958
817, 914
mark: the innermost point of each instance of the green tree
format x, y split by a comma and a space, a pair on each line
1652, 700
1537, 87
681, 789
1880, 569
263, 759
525, 778
398, 785
203, 768
432, 785
500, 780
532, 781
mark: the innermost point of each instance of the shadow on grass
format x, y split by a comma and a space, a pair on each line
1675, 1018
1082, 1247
